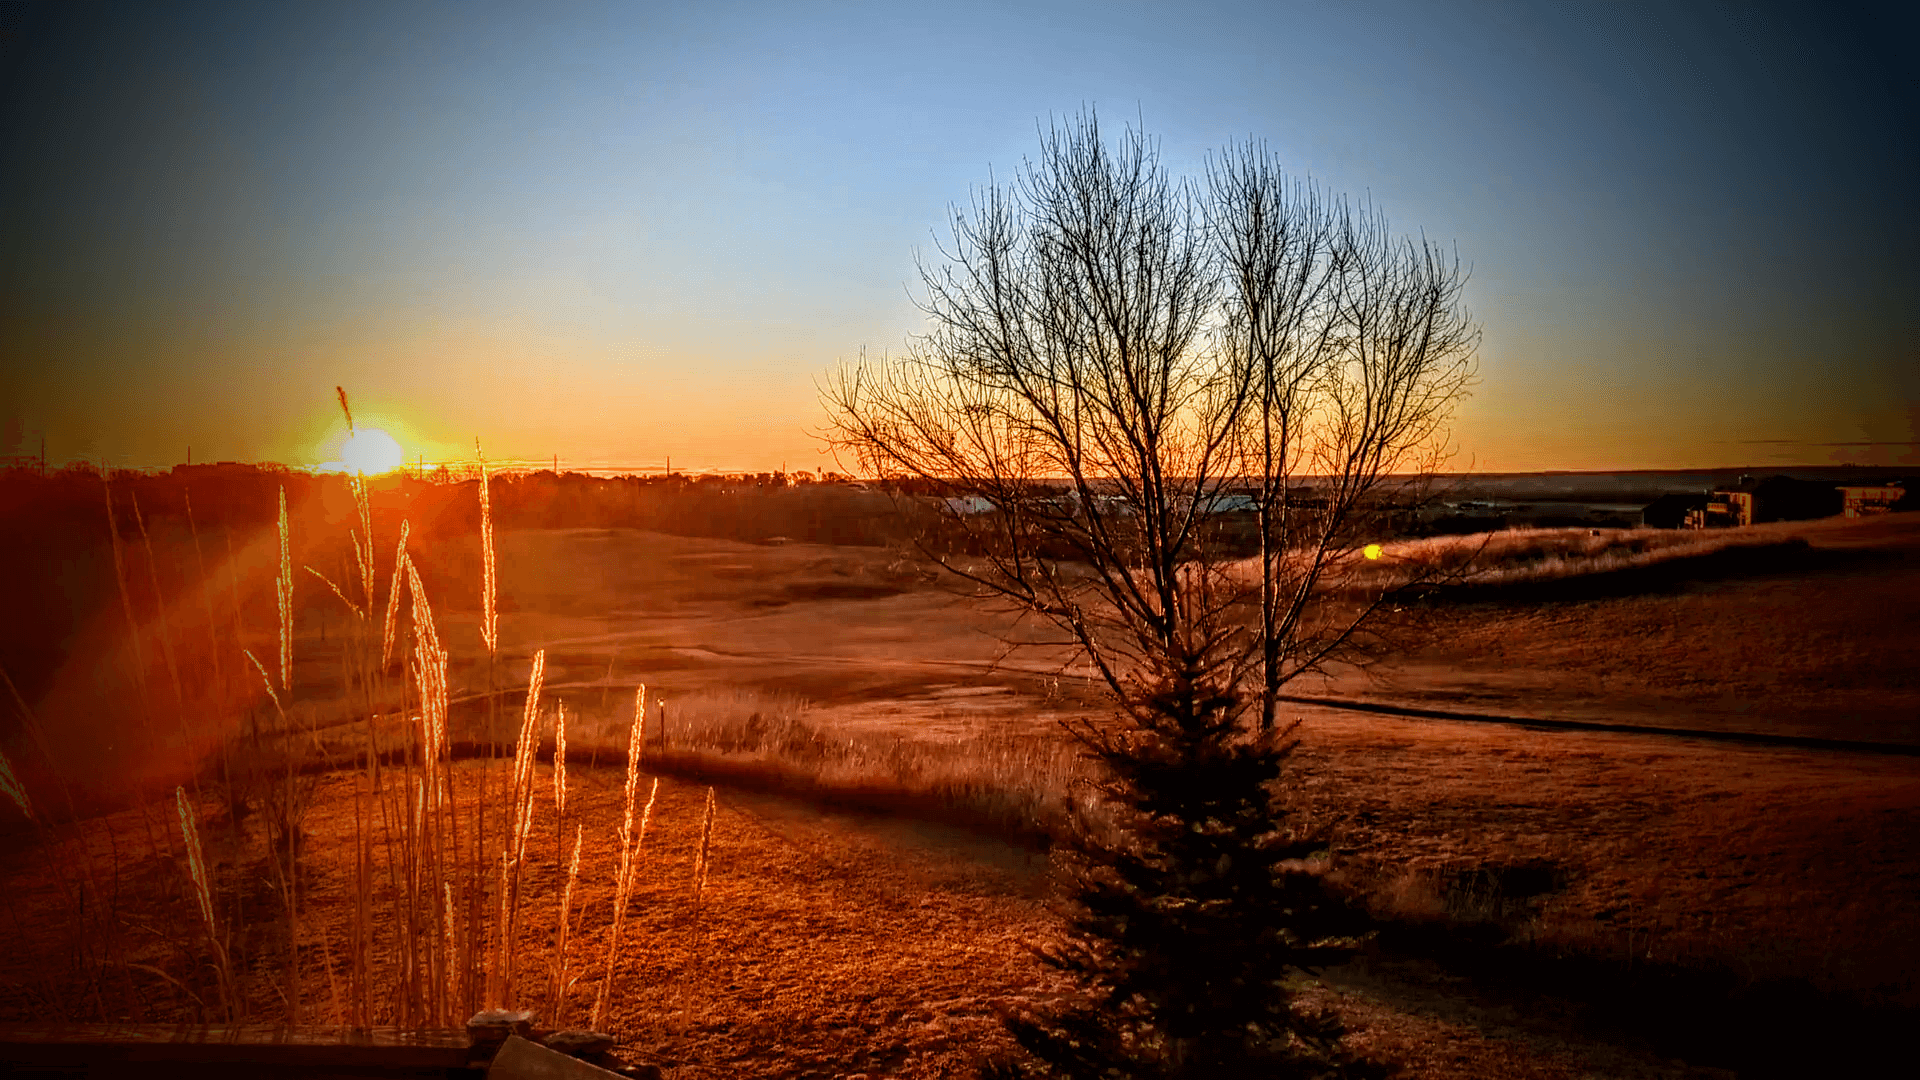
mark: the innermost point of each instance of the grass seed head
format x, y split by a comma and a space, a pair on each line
524, 749
401, 568
196, 864
423, 625
636, 738
488, 629
702, 859
283, 591
12, 786
560, 759
646, 816
363, 544
351, 606
623, 889
560, 949
265, 679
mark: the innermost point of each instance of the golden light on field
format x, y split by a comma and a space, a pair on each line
370, 451
1371, 551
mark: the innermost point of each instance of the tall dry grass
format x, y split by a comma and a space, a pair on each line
422, 917
513, 852
97, 948
1018, 786
433, 869
166, 627
559, 985
400, 564
141, 674
437, 860
489, 624
631, 844
702, 861
203, 892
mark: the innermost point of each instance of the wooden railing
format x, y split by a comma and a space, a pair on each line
150, 1050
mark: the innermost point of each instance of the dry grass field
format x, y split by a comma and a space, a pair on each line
831, 939
1820, 640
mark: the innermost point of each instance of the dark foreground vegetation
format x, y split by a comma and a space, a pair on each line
1702, 1011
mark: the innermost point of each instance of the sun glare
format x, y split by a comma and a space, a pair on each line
370, 451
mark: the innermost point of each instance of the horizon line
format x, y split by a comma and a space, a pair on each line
524, 466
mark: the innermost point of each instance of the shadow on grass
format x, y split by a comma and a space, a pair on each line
1792, 556
1479, 939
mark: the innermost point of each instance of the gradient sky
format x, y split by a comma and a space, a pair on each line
617, 232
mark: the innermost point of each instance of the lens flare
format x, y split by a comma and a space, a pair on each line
370, 451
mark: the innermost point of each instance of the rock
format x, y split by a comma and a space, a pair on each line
490, 1028
642, 1072
522, 1059
586, 1045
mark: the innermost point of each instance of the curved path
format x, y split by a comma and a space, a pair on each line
1755, 738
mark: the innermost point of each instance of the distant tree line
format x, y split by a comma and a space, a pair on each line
749, 507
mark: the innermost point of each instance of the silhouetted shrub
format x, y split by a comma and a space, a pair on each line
1188, 919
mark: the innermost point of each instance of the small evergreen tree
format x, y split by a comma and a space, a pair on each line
1192, 908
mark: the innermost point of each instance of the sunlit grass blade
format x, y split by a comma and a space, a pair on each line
488, 630
400, 572
556, 996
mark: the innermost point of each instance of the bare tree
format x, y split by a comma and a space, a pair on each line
1353, 348
1068, 383
1113, 356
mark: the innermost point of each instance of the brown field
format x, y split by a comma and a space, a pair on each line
832, 942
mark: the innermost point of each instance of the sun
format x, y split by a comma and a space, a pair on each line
369, 451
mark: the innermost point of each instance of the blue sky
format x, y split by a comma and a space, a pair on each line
615, 232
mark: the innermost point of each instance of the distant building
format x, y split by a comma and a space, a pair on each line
1230, 504
969, 504
1754, 502
1670, 511
1864, 500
